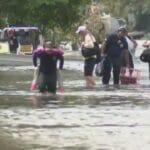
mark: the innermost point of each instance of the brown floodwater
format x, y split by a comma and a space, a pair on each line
102, 118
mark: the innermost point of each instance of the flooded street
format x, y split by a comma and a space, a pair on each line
80, 119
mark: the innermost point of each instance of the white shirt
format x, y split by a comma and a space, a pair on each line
130, 44
89, 40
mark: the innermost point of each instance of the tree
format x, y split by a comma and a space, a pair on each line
47, 13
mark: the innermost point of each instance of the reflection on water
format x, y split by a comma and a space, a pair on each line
103, 118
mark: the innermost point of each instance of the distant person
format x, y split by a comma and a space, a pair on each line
89, 62
48, 56
112, 49
132, 44
12, 40
145, 55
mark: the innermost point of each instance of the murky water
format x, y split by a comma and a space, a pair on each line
80, 119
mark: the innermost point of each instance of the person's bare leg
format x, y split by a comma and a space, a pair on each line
89, 81
92, 80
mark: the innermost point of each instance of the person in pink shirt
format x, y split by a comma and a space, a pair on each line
46, 70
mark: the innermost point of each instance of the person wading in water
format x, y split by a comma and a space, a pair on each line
89, 62
48, 56
112, 49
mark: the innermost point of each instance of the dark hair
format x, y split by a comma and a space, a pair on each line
122, 29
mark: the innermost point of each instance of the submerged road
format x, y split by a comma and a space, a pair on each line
79, 119
26, 60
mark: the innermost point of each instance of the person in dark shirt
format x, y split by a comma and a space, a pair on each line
47, 80
112, 49
12, 40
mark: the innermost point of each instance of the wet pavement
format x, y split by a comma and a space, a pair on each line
102, 118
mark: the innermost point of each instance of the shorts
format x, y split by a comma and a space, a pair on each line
89, 66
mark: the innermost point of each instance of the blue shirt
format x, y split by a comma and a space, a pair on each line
115, 45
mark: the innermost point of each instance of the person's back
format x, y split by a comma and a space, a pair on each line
48, 61
89, 40
47, 68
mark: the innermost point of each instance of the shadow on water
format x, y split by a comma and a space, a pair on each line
102, 118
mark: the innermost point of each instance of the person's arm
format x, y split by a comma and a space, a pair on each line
127, 57
59, 76
36, 72
61, 61
105, 44
103, 49
135, 44
134, 41
35, 57
126, 53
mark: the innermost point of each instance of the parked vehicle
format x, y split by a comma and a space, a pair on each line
27, 39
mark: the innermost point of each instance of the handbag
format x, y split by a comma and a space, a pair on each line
145, 56
88, 52
99, 70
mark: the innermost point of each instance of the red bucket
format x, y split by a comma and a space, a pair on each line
129, 75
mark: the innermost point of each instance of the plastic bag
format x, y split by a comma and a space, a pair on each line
100, 68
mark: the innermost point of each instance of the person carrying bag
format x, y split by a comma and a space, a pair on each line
94, 51
99, 69
88, 50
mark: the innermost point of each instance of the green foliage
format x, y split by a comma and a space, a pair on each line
121, 8
63, 14
44, 13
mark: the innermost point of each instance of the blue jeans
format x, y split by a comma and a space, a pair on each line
109, 64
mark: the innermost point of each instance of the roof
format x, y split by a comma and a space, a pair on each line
21, 28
